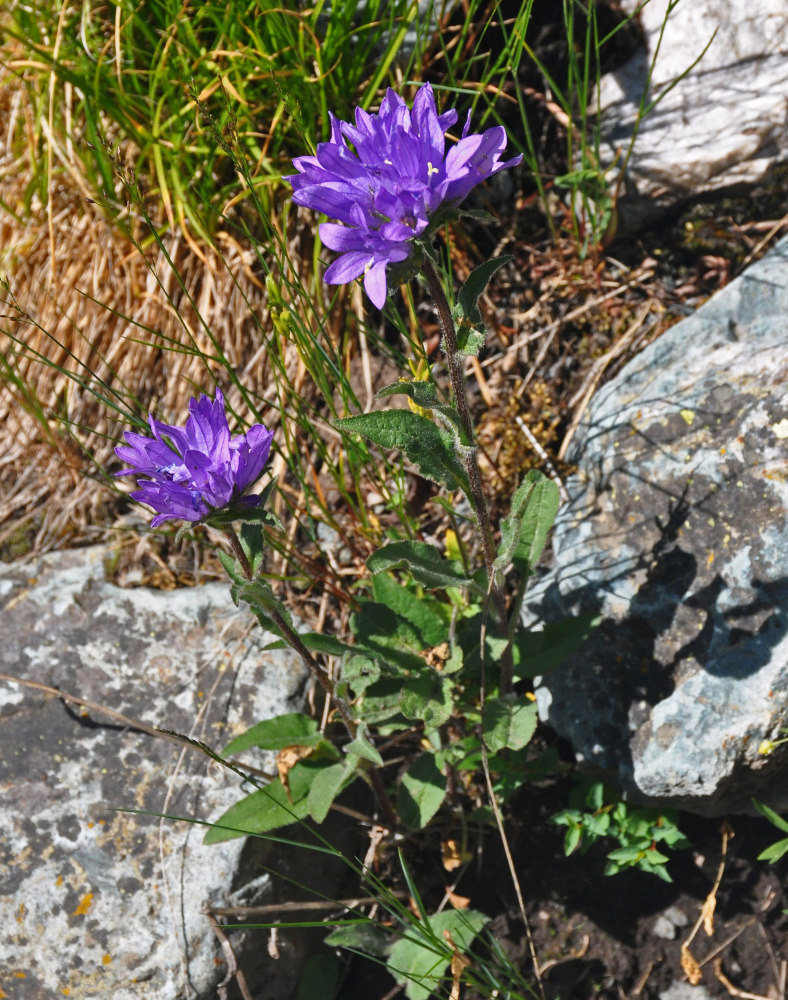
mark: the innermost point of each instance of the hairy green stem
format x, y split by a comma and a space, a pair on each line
456, 367
318, 672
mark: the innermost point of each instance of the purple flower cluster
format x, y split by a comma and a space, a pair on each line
389, 189
192, 471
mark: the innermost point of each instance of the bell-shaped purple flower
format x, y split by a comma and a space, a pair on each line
386, 178
193, 471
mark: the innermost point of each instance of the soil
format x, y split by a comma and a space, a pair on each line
596, 936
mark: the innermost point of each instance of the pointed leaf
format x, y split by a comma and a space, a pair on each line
774, 852
264, 810
425, 395
473, 289
327, 783
429, 626
430, 449
421, 792
365, 936
426, 564
523, 534
771, 815
292, 729
420, 959
361, 747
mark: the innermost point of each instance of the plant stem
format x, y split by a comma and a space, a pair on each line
456, 367
318, 672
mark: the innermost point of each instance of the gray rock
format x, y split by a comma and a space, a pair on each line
677, 535
725, 122
664, 929
685, 991
103, 903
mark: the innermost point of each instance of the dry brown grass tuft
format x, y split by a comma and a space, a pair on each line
80, 297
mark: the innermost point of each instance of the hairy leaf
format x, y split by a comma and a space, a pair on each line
523, 534
425, 563
508, 722
430, 449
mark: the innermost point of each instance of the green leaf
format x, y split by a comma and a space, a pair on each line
292, 729
251, 538
572, 839
265, 809
469, 340
524, 533
421, 792
425, 563
359, 672
771, 815
326, 784
428, 625
419, 959
473, 289
365, 936
427, 697
508, 722
380, 702
361, 747
424, 394
774, 852
536, 652
430, 449
232, 569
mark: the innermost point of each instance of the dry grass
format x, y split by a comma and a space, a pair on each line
91, 295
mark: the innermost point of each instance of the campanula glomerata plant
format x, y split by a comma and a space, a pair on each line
436, 651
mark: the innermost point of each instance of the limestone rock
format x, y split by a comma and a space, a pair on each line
677, 534
95, 902
725, 122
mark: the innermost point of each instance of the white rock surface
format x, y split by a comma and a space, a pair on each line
727, 120
98, 903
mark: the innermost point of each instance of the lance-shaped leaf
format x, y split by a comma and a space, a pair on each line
523, 534
425, 395
430, 449
425, 563
473, 289
282, 731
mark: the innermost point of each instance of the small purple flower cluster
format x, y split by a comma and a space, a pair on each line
389, 189
195, 470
